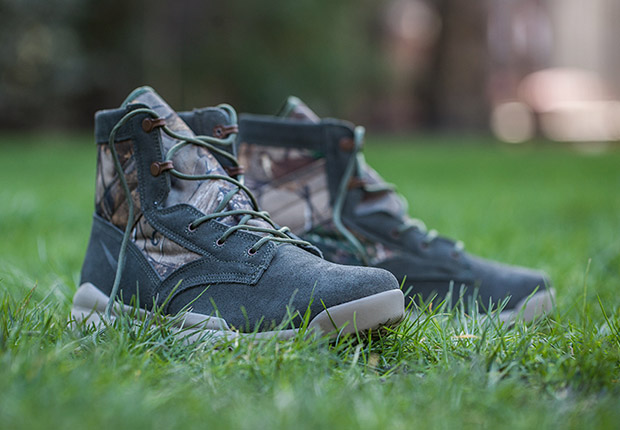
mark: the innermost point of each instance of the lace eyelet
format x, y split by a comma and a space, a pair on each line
424, 245
346, 144
190, 228
252, 251
148, 124
219, 242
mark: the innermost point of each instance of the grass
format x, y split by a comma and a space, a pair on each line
542, 205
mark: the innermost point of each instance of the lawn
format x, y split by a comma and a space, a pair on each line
541, 205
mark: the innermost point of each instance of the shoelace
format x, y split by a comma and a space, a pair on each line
271, 234
354, 164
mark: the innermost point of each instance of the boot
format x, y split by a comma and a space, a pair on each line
310, 174
173, 229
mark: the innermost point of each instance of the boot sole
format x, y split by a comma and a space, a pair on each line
530, 308
361, 315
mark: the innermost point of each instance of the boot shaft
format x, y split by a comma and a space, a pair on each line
333, 176
142, 147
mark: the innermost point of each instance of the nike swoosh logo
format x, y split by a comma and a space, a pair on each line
108, 255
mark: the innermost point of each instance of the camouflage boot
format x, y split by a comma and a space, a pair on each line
173, 229
310, 175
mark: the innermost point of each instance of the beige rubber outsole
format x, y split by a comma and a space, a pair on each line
528, 309
531, 307
361, 315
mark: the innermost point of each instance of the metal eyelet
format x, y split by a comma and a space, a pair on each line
223, 131
190, 228
158, 167
148, 124
252, 251
346, 144
219, 242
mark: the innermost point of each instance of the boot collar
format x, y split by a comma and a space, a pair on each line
105, 120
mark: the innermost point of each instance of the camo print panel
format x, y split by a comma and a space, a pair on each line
110, 199
338, 250
291, 184
378, 252
164, 255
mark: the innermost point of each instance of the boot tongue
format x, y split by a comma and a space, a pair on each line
374, 202
204, 195
294, 108
147, 96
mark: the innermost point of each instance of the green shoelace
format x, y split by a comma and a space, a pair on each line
354, 164
274, 233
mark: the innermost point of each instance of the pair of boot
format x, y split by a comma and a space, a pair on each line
179, 226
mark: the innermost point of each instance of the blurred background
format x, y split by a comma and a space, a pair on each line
519, 68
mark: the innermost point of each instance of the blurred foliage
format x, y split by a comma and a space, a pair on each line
61, 60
